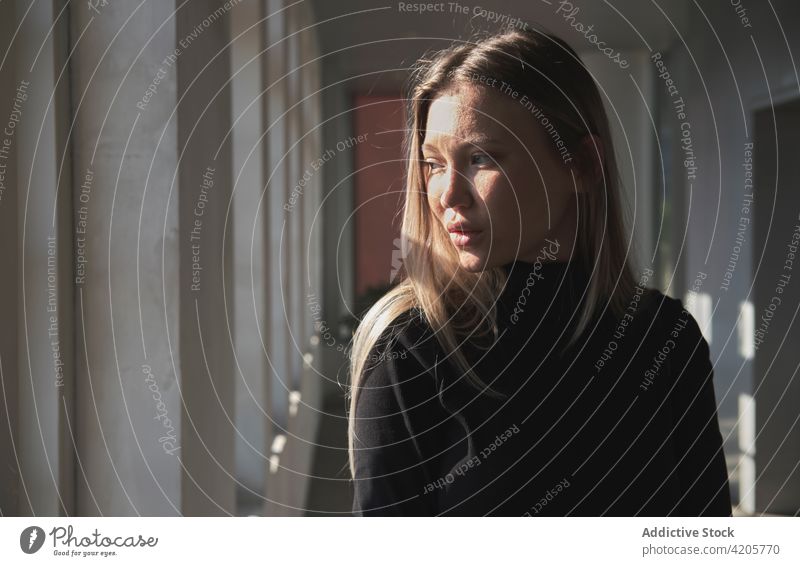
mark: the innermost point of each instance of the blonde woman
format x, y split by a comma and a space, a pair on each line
522, 366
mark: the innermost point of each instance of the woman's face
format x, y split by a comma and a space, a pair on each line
495, 180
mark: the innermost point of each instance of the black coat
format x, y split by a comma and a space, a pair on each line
624, 423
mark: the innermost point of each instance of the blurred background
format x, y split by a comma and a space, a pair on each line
198, 198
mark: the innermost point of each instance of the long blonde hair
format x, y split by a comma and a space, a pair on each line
452, 300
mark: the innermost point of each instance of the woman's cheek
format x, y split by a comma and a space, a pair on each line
433, 195
501, 205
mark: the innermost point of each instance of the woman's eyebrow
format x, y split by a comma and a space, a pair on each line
471, 142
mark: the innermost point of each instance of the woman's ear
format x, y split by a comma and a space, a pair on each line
592, 159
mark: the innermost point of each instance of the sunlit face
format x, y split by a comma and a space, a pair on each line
495, 180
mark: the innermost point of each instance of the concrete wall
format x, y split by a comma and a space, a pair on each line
726, 71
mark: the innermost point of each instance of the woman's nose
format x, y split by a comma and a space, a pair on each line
457, 191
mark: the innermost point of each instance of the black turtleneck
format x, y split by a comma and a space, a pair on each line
622, 423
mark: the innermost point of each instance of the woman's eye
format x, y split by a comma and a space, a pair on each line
432, 166
481, 159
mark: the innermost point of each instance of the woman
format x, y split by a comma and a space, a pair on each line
521, 367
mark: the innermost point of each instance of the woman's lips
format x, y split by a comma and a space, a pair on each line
463, 238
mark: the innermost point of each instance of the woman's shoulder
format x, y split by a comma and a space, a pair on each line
406, 334
680, 338
402, 355
398, 383
671, 309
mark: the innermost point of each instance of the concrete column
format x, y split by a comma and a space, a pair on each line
275, 101
312, 149
128, 367
299, 175
154, 372
36, 368
293, 189
9, 474
281, 207
249, 256
206, 345
337, 209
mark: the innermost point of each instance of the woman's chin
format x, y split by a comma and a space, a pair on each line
471, 261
